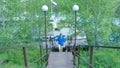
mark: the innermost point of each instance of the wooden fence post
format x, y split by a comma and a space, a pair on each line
91, 57
40, 55
79, 57
25, 57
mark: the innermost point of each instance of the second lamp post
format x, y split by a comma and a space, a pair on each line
75, 9
45, 9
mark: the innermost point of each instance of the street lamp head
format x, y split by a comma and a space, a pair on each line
44, 8
75, 7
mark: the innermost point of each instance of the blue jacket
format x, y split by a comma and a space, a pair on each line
61, 40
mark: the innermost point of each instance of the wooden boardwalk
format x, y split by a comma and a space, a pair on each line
60, 60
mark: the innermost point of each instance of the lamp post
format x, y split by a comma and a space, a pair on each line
75, 9
45, 9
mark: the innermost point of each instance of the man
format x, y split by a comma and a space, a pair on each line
61, 40
51, 40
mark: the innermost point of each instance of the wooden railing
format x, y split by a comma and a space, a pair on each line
78, 55
25, 55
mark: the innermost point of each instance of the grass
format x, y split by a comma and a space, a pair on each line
14, 58
102, 58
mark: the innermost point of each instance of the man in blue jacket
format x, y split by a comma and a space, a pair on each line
61, 40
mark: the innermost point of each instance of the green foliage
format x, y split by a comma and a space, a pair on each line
102, 58
23, 16
14, 58
22, 22
110, 59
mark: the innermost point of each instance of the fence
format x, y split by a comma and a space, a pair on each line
90, 63
78, 55
25, 55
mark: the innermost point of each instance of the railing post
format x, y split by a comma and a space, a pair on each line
79, 57
91, 57
25, 57
40, 55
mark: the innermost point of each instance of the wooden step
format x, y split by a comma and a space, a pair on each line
60, 60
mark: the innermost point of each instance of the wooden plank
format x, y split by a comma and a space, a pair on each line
60, 60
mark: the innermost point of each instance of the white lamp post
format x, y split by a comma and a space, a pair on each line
75, 9
45, 9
